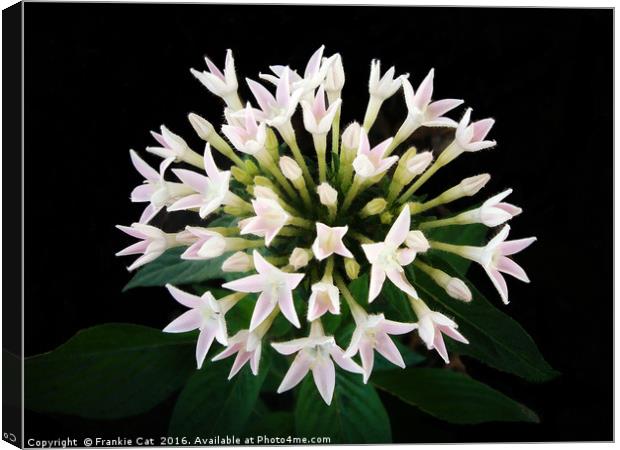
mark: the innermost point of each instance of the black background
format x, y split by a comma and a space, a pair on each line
98, 77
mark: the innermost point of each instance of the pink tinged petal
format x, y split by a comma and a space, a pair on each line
510, 209
440, 346
134, 249
477, 146
298, 370
194, 180
398, 278
185, 299
388, 350
440, 107
405, 256
290, 347
315, 308
142, 193
253, 225
293, 279
314, 62
205, 339
210, 167
264, 306
368, 358
451, 332
221, 332
426, 330
440, 122
344, 362
283, 89
251, 283
263, 97
188, 202
398, 233
188, 321
250, 121
213, 69
255, 360
377, 278
379, 150
373, 251
287, 307
510, 267
142, 167
227, 352
515, 246
324, 375
425, 91
142, 260
159, 138
149, 212
500, 284
270, 234
482, 128
364, 144
354, 345
132, 232
392, 327
342, 250
242, 358
262, 265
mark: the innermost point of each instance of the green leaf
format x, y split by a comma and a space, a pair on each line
170, 268
355, 416
473, 234
452, 396
494, 337
211, 405
273, 424
109, 371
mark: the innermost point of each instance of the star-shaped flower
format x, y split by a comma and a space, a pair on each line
204, 315
325, 297
388, 259
383, 87
224, 84
245, 134
211, 190
370, 163
276, 110
247, 345
269, 220
205, 244
470, 137
372, 333
172, 145
316, 353
318, 119
275, 287
329, 241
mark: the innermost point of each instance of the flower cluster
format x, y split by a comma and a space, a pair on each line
297, 228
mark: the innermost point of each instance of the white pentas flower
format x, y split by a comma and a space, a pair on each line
305, 210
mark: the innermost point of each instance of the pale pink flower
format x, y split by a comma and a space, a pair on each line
224, 84
317, 118
269, 220
204, 315
171, 145
276, 110
247, 345
470, 137
370, 163
329, 241
431, 327
387, 258
494, 259
383, 87
155, 189
211, 190
494, 212
421, 112
372, 333
316, 353
335, 78
153, 242
246, 135
238, 262
205, 244
275, 287
325, 297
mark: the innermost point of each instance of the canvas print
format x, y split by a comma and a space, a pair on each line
315, 225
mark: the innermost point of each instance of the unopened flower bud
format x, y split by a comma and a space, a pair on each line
263, 181
387, 218
417, 241
251, 168
265, 192
240, 175
334, 81
351, 140
352, 268
418, 163
373, 207
290, 168
215, 246
327, 194
204, 129
470, 186
300, 257
238, 262
458, 289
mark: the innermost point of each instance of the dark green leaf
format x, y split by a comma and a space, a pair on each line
170, 268
472, 234
494, 337
273, 424
109, 371
210, 405
452, 396
355, 416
